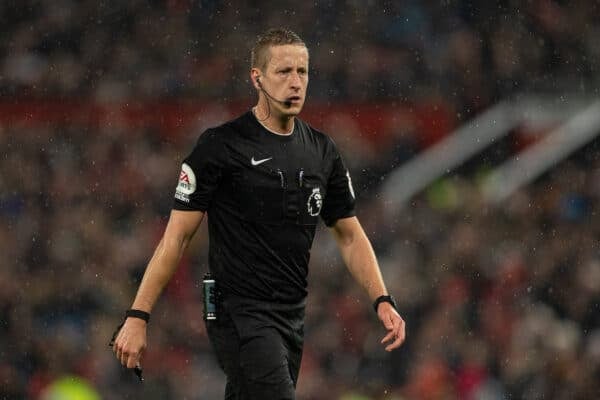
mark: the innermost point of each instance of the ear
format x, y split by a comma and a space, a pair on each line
255, 77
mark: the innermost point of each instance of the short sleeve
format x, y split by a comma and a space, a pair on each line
200, 174
340, 200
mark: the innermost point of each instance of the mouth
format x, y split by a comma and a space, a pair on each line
294, 99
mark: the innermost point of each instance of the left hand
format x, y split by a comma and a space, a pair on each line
393, 323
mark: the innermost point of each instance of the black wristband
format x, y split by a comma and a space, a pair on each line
137, 314
385, 299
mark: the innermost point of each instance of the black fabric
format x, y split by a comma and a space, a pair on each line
264, 194
259, 347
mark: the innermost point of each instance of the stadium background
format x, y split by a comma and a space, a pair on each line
99, 102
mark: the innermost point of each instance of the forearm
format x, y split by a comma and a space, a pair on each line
359, 257
179, 232
159, 271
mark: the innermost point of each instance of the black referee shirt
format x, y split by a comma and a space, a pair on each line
263, 194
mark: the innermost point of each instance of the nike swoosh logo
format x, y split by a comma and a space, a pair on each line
257, 162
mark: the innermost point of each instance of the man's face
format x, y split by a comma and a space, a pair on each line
286, 78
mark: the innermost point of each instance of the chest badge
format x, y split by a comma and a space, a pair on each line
315, 202
258, 162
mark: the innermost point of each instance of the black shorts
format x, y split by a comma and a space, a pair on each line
259, 347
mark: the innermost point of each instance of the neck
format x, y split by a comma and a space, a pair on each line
271, 119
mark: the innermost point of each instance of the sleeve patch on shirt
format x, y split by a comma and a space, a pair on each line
187, 183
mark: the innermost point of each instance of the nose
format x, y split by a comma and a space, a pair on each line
295, 81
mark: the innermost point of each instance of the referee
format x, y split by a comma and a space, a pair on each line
264, 179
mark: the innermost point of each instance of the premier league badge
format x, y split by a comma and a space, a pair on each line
315, 202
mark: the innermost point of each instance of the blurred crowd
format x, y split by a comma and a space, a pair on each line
500, 301
470, 53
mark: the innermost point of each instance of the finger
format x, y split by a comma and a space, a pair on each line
118, 338
118, 346
124, 357
398, 326
399, 340
132, 361
117, 350
388, 337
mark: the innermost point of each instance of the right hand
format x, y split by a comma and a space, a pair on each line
130, 343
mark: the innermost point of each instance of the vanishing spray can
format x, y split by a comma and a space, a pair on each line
210, 300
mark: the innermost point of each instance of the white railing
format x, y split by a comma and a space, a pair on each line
420, 171
471, 138
547, 152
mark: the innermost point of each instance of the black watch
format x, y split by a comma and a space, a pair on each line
385, 299
133, 313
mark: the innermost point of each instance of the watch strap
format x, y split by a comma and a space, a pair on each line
133, 313
385, 299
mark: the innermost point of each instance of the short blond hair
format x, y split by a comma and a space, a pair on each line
259, 56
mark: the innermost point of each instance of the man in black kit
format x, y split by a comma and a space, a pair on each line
264, 179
